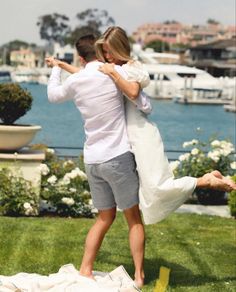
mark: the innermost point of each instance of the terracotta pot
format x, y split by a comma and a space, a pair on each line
14, 137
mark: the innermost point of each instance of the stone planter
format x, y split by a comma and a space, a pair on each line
14, 137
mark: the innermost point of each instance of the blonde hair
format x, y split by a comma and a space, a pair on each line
117, 40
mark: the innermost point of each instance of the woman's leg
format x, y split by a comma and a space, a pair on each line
137, 242
94, 240
215, 180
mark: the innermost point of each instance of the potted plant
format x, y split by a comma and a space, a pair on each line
204, 157
14, 103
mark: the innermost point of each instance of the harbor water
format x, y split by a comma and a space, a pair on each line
62, 125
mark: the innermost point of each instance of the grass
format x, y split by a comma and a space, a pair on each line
199, 250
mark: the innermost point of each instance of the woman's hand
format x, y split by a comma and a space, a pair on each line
107, 68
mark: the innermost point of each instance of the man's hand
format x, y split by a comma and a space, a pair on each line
51, 62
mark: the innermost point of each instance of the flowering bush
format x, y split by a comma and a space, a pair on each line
64, 186
232, 200
17, 196
204, 157
64, 190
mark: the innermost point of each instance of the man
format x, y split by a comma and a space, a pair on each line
110, 165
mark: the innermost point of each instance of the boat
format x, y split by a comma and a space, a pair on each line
185, 84
5, 76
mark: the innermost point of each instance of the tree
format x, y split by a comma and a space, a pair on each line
212, 21
91, 21
158, 46
53, 27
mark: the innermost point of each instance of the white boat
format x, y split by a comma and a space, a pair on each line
179, 82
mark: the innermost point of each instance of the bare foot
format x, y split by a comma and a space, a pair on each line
87, 275
139, 282
216, 181
226, 180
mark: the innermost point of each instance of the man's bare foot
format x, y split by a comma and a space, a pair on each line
87, 275
139, 280
216, 181
139, 283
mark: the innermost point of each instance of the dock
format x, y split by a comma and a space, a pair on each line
230, 108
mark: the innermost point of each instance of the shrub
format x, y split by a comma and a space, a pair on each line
205, 157
64, 190
14, 102
65, 186
232, 200
17, 196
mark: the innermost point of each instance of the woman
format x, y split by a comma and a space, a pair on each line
160, 194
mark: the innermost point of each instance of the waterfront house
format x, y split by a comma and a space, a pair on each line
27, 57
218, 57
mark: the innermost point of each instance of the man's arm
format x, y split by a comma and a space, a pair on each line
63, 65
57, 92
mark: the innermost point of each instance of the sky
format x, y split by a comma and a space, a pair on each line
18, 18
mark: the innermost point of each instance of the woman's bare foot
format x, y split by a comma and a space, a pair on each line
216, 181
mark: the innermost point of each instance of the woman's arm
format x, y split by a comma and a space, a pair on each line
51, 61
130, 89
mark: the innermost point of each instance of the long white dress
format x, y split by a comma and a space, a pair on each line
159, 193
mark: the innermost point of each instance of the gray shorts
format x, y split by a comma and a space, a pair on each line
114, 182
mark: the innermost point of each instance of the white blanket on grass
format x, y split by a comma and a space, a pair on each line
67, 279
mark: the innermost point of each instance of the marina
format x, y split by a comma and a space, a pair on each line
177, 122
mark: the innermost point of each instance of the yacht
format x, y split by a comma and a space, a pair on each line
170, 80
5, 74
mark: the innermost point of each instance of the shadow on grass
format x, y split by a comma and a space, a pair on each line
179, 275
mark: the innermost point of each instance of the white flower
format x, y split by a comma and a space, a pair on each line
195, 151
186, 144
72, 190
214, 155
65, 180
68, 201
190, 143
215, 143
184, 156
194, 141
77, 172
50, 151
43, 168
174, 164
52, 179
27, 205
86, 193
28, 209
233, 165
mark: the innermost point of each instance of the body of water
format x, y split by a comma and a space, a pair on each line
62, 124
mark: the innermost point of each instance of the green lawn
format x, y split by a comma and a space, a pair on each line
199, 250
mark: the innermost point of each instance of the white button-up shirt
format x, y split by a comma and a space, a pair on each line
102, 108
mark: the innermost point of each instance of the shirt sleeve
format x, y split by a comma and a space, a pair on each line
56, 91
137, 73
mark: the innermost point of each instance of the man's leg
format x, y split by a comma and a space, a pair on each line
137, 242
94, 240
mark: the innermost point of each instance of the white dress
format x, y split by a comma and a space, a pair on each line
159, 193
